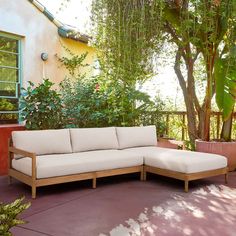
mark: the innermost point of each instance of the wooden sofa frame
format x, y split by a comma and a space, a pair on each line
142, 169
185, 177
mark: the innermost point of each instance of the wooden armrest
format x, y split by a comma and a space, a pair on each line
25, 154
21, 152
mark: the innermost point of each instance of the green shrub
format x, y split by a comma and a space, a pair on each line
40, 106
95, 103
9, 215
83, 104
103, 100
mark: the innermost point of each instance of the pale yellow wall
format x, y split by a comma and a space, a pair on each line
79, 48
39, 35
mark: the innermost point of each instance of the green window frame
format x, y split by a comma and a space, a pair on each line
10, 77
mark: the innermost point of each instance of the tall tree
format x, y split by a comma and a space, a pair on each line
198, 29
128, 35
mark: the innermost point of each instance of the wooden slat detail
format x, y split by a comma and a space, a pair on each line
64, 179
163, 172
206, 174
20, 176
21, 152
119, 171
183, 176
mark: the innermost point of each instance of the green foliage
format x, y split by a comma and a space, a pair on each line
99, 102
74, 62
83, 105
189, 145
93, 103
126, 34
9, 215
40, 106
225, 75
6, 105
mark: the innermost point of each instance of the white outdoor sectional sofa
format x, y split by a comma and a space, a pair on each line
46, 157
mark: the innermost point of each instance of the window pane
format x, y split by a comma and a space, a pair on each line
7, 111
8, 104
8, 59
11, 118
8, 89
8, 74
9, 80
8, 44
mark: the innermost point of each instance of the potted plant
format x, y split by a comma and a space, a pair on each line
225, 76
9, 215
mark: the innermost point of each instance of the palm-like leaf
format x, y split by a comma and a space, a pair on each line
9, 215
225, 75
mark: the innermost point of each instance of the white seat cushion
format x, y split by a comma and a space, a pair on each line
43, 142
86, 139
129, 137
75, 163
180, 160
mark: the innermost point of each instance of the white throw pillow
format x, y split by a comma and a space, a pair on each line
86, 139
43, 142
129, 137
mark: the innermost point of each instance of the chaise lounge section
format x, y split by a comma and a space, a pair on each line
47, 157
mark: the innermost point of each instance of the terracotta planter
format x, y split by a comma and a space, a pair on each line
227, 149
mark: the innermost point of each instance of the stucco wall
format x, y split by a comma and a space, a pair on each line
39, 35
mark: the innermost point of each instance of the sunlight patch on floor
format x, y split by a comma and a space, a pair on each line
178, 213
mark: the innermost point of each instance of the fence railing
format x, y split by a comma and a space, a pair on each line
176, 124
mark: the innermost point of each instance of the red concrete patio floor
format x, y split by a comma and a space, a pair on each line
123, 206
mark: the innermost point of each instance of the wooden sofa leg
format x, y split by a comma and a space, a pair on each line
186, 183
9, 179
33, 191
94, 182
226, 178
144, 175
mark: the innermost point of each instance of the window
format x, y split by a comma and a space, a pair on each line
10, 77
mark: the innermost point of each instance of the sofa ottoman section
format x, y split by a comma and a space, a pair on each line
181, 164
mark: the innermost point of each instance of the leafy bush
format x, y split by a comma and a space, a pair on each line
83, 104
126, 106
102, 100
41, 106
9, 215
93, 103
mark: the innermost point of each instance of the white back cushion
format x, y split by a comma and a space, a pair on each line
43, 141
86, 139
136, 136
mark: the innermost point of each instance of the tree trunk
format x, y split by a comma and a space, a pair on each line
205, 111
204, 117
226, 129
188, 99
